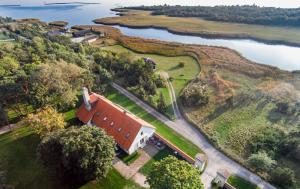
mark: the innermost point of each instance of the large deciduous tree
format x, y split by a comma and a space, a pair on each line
171, 173
45, 121
56, 84
80, 154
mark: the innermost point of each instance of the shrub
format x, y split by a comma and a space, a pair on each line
261, 161
195, 94
181, 64
283, 177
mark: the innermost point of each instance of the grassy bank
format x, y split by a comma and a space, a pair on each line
200, 27
178, 140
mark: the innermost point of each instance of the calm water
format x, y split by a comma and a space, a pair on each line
282, 56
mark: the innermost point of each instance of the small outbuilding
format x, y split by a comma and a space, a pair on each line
150, 61
90, 39
221, 178
81, 33
200, 161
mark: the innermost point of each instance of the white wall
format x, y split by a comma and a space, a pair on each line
147, 133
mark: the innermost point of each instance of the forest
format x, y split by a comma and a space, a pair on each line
248, 14
37, 70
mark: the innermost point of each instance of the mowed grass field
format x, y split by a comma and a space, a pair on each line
199, 26
181, 76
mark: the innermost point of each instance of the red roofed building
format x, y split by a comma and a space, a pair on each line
129, 131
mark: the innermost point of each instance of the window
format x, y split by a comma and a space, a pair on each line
142, 141
112, 123
120, 129
105, 118
142, 133
127, 135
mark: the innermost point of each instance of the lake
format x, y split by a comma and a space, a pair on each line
282, 56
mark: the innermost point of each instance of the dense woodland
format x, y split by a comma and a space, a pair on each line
37, 70
239, 14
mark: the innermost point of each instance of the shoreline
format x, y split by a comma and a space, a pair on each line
196, 34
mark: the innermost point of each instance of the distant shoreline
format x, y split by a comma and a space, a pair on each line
207, 35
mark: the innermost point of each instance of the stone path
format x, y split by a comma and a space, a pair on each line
131, 171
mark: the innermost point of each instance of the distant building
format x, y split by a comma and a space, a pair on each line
55, 33
129, 131
81, 33
90, 39
150, 61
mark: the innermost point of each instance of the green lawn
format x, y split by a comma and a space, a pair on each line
157, 157
18, 156
184, 144
113, 181
240, 183
129, 159
165, 92
168, 64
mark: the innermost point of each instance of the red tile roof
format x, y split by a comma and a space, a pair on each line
116, 121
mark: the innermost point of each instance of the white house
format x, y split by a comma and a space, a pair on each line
129, 131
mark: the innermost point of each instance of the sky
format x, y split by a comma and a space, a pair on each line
276, 3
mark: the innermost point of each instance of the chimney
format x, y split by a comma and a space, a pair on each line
86, 98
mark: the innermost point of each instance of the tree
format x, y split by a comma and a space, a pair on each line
195, 94
45, 121
261, 161
8, 65
56, 84
79, 154
269, 140
283, 177
171, 173
161, 103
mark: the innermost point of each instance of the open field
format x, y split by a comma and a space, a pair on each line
162, 129
200, 27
